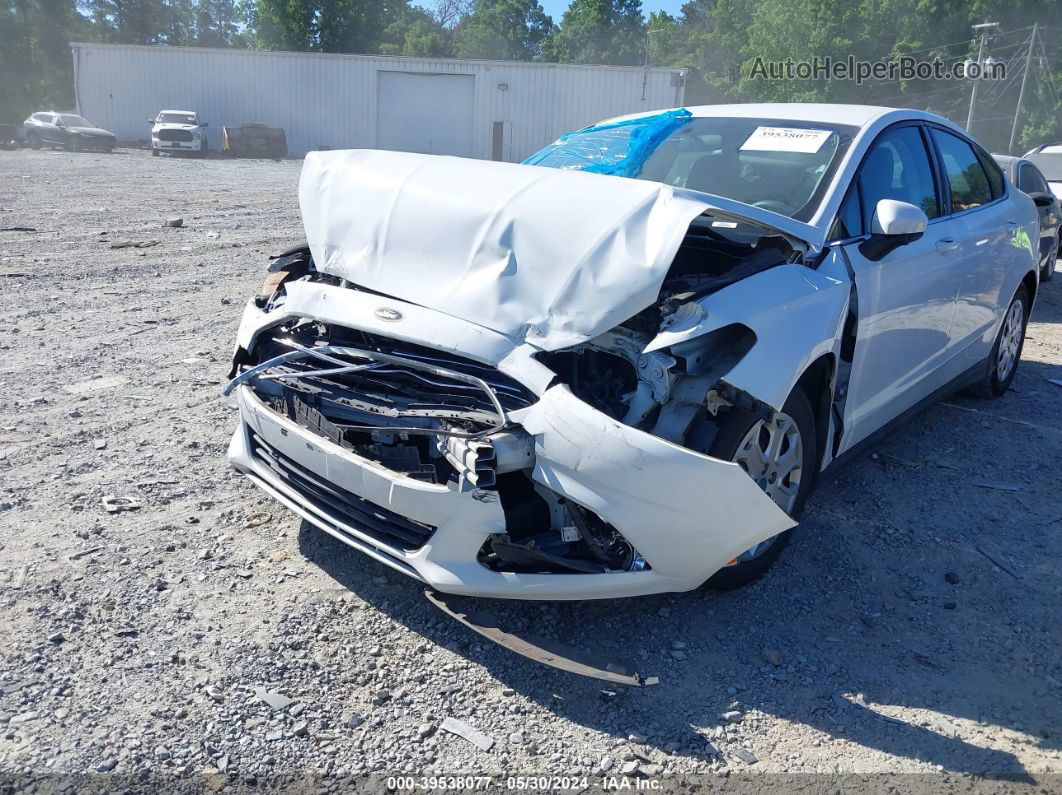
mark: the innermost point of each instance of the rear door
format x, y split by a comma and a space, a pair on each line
907, 298
986, 228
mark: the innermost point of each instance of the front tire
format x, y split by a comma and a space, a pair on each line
780, 455
33, 141
1002, 362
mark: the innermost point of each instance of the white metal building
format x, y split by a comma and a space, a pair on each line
500, 110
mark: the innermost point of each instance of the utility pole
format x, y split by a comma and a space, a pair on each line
1021, 93
984, 27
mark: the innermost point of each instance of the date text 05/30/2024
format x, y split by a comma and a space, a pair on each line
486, 783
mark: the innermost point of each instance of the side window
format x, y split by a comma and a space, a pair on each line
1025, 179
1030, 181
897, 167
996, 180
966, 176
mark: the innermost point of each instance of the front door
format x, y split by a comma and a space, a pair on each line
907, 298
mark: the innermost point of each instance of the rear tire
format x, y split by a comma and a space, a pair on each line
1002, 362
1048, 271
33, 141
743, 437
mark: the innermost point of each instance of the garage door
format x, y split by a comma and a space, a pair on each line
426, 113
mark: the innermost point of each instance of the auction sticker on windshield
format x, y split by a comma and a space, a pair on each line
785, 139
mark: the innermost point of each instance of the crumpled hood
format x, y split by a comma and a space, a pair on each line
541, 255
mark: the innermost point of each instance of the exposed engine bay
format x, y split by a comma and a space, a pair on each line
447, 419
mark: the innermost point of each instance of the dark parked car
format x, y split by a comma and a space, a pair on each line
10, 135
48, 128
1028, 179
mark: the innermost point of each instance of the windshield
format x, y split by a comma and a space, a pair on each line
1050, 165
783, 166
177, 118
72, 120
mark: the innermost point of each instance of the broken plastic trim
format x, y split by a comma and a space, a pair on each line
548, 652
376, 359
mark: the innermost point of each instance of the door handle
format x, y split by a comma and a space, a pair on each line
947, 244
1011, 225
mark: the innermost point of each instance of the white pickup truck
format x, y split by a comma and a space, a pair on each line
178, 131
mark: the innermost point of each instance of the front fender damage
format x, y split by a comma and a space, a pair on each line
796, 314
692, 513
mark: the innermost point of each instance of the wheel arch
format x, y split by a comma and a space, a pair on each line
818, 382
1031, 282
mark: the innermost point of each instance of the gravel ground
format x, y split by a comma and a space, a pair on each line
912, 626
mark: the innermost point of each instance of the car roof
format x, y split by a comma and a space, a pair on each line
1008, 162
1042, 149
1049, 164
189, 112
823, 112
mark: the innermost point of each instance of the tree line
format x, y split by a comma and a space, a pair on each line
715, 40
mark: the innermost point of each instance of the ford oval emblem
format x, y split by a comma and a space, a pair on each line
388, 314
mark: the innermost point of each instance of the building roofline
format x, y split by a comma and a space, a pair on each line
359, 56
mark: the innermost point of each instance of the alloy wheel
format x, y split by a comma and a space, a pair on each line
1010, 340
772, 453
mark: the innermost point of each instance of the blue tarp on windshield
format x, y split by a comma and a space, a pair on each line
619, 149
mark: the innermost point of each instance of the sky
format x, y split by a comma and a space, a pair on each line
555, 8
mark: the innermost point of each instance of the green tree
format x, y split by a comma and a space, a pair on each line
709, 39
599, 31
512, 30
36, 67
351, 26
284, 25
416, 33
218, 23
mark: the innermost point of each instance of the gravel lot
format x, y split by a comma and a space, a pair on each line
912, 627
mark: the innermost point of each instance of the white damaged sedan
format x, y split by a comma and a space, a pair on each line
620, 367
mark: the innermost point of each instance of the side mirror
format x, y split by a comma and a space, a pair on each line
59, 123
894, 224
151, 122
203, 124
1041, 199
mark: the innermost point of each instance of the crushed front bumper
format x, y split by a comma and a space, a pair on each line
687, 514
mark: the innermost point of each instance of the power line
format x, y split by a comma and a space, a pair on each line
911, 95
998, 93
994, 50
956, 43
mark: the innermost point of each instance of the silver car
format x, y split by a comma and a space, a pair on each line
620, 367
